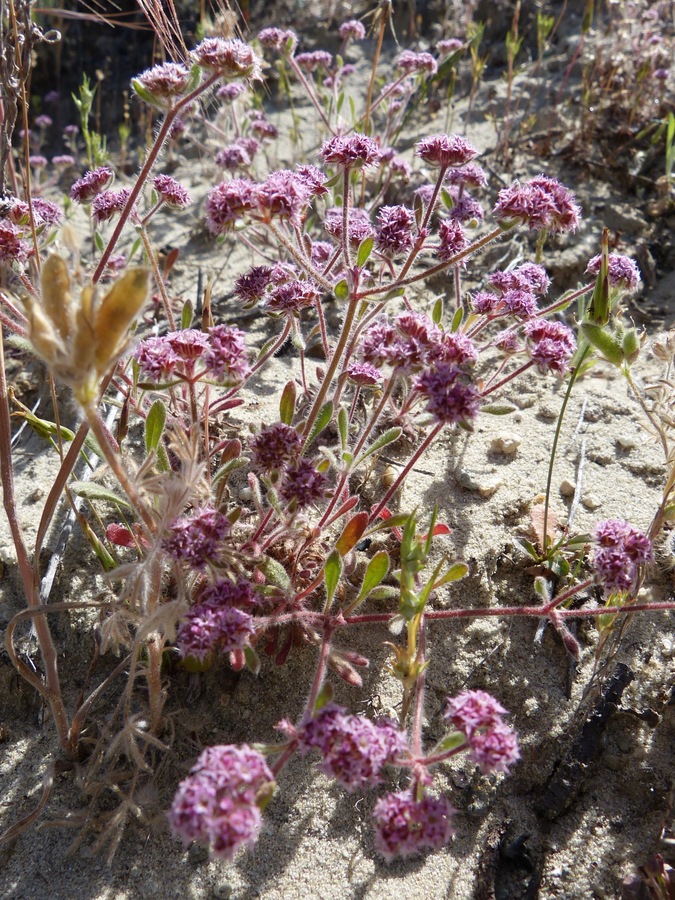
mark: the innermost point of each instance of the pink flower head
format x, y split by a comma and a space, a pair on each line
108, 204
471, 175
43, 121
231, 91
550, 345
91, 184
197, 539
353, 151
620, 550
394, 233
226, 358
352, 29
217, 803
171, 191
227, 202
251, 286
464, 208
451, 398
410, 62
321, 252
264, 129
285, 194
37, 161
359, 224
45, 212
314, 178
453, 347
446, 150
452, 239
274, 447
12, 247
496, 749
238, 155
355, 750
210, 627
228, 58
291, 297
448, 45
281, 39
63, 161
364, 375
303, 484
623, 271
316, 59
542, 203
472, 710
405, 826
165, 82
528, 277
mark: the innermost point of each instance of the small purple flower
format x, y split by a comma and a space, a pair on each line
528, 277
316, 59
91, 184
251, 286
623, 271
108, 204
448, 45
446, 150
231, 91
228, 58
303, 484
218, 803
364, 375
264, 129
471, 710
520, 303
620, 550
410, 62
394, 233
352, 29
227, 202
360, 226
550, 345
156, 358
43, 121
238, 155
541, 203
453, 347
63, 161
171, 191
197, 539
321, 252
355, 750
405, 826
291, 297
496, 749
274, 447
281, 39
37, 161
314, 178
166, 82
464, 208
285, 194
207, 628
356, 150
451, 398
452, 239
486, 304
226, 358
45, 212
12, 247
471, 174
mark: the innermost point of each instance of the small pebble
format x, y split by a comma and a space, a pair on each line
591, 501
549, 412
626, 442
506, 443
567, 488
486, 485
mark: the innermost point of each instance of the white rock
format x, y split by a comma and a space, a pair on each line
567, 488
591, 501
507, 443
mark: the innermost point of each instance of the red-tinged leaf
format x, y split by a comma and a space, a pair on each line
439, 529
352, 532
237, 659
120, 536
170, 260
345, 508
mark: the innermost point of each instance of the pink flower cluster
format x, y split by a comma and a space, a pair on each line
218, 621
494, 745
355, 750
620, 550
541, 203
91, 184
197, 539
405, 825
188, 355
172, 192
350, 151
550, 345
228, 58
451, 398
302, 483
623, 271
218, 803
166, 82
274, 447
445, 150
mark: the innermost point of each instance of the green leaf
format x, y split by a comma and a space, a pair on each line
451, 741
341, 290
154, 425
376, 572
365, 249
98, 240
527, 547
604, 341
392, 522
229, 467
457, 319
252, 660
389, 436
90, 491
455, 572
186, 315
142, 92
437, 312
324, 696
447, 199
384, 593
275, 573
332, 574
287, 402
322, 421
396, 292
343, 428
